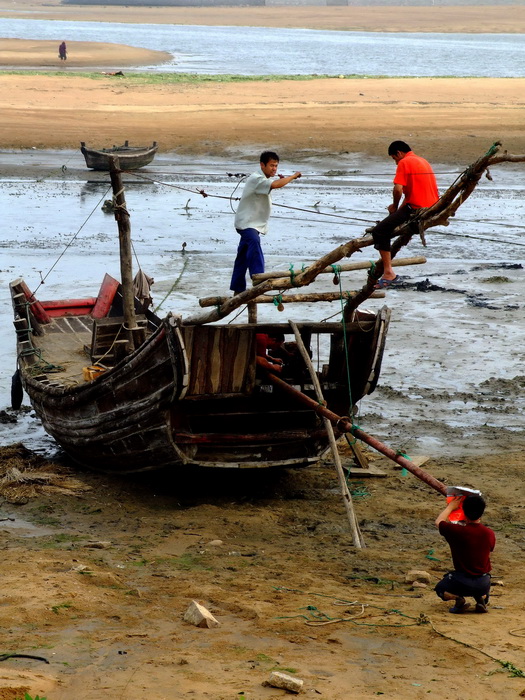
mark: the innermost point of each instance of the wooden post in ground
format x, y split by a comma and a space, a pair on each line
347, 496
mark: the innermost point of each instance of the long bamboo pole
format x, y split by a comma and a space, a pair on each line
357, 536
344, 424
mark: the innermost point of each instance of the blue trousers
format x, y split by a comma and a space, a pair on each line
249, 257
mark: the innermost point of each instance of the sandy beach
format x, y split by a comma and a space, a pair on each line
98, 571
448, 120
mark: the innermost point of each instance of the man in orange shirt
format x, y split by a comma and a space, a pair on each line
415, 187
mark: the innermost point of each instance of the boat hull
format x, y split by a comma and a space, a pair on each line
130, 157
185, 395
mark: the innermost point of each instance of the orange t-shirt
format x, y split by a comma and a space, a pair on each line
417, 178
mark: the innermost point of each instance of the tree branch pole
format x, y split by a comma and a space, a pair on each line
344, 424
357, 536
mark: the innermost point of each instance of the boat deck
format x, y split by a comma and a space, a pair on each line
66, 343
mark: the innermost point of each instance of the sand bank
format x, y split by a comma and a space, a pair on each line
470, 19
449, 120
29, 53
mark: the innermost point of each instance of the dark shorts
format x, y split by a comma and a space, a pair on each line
383, 232
463, 585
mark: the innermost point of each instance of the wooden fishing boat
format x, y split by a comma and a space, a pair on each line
185, 394
122, 390
130, 157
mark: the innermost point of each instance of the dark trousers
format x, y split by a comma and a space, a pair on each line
249, 257
458, 583
383, 232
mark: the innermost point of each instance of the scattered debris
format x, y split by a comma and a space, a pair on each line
25, 474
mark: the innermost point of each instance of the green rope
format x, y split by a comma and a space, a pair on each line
292, 275
404, 471
278, 299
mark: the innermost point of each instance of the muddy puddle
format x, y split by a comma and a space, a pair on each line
452, 378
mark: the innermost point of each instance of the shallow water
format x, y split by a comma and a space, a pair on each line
274, 51
453, 354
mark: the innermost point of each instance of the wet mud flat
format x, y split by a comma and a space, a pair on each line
452, 377
100, 574
101, 577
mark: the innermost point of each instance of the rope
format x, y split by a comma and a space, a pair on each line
173, 286
42, 281
404, 471
421, 620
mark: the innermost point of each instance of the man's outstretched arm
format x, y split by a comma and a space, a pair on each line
452, 506
282, 181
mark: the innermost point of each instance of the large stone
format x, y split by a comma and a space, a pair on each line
197, 615
417, 575
282, 680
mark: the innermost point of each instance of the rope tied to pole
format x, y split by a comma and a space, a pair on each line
404, 471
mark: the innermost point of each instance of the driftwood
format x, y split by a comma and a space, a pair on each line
437, 215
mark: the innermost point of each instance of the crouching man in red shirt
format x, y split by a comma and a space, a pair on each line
470, 545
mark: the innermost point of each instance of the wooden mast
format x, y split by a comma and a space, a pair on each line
126, 267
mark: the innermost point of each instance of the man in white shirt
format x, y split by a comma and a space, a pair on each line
252, 216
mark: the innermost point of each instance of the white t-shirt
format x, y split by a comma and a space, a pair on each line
256, 204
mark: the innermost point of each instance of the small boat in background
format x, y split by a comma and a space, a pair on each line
130, 157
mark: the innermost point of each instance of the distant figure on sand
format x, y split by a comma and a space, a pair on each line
416, 183
62, 51
252, 216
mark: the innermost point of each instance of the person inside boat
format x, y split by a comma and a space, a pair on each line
470, 545
251, 218
415, 187
277, 355
62, 51
267, 348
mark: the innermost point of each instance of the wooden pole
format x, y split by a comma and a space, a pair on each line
124, 234
357, 536
344, 267
252, 311
291, 298
344, 424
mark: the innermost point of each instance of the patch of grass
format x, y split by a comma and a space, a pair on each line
61, 606
263, 659
29, 697
59, 541
193, 78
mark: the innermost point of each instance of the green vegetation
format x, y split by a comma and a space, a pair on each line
60, 541
60, 606
273, 664
185, 78
28, 697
